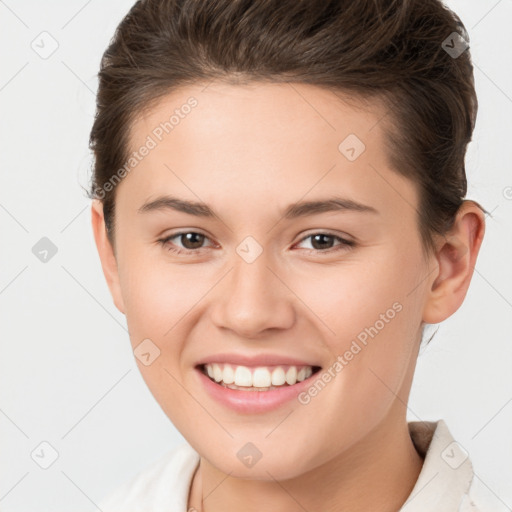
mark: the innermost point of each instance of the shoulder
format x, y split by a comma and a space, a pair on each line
162, 486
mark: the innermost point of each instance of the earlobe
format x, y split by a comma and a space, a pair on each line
456, 258
106, 254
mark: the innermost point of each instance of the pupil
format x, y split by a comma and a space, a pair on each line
322, 237
190, 240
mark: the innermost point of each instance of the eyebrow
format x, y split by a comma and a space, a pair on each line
299, 209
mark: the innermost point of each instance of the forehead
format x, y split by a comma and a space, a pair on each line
221, 141
300, 114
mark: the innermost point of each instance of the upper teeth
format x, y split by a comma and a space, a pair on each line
259, 377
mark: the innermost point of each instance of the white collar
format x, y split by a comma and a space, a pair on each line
447, 472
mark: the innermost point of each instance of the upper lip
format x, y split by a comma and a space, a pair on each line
256, 360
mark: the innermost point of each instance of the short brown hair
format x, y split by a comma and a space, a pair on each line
391, 50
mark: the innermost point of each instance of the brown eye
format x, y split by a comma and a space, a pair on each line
322, 241
192, 240
185, 241
326, 242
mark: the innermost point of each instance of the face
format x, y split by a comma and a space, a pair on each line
303, 252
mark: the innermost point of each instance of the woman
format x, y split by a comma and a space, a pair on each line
279, 208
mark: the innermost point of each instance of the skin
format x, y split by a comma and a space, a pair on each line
248, 152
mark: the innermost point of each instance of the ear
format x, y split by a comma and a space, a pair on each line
455, 258
106, 253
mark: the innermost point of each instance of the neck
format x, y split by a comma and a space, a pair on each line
378, 473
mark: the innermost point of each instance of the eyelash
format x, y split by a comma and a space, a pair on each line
344, 244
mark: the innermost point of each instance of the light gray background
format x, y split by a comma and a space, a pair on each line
67, 373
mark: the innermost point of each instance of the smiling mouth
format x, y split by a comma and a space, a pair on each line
261, 378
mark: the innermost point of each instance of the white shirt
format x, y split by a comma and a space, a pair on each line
445, 483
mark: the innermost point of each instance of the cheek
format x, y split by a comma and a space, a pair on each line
368, 314
157, 295
355, 294
161, 300
373, 345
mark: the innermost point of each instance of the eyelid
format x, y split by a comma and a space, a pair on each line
166, 239
304, 237
345, 243
343, 236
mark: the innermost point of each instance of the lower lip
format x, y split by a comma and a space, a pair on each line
253, 401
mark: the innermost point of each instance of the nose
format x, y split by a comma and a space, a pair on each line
252, 299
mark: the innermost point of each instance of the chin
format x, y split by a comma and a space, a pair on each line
277, 466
